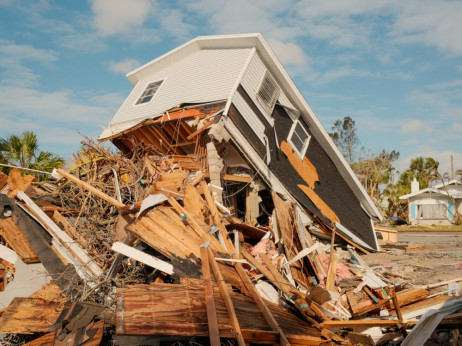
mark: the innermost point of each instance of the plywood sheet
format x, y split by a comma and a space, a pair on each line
30, 315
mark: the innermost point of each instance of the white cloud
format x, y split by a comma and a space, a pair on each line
289, 53
55, 116
173, 23
402, 75
112, 17
13, 55
446, 85
457, 127
430, 22
415, 126
343, 72
124, 66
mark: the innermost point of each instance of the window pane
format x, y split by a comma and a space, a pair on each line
149, 92
297, 143
301, 132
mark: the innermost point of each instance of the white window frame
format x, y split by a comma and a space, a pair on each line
137, 103
301, 153
268, 107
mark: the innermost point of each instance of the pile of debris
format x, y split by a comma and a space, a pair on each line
150, 248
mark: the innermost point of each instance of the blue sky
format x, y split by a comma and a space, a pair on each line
394, 66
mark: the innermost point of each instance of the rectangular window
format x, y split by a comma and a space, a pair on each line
299, 138
268, 93
149, 92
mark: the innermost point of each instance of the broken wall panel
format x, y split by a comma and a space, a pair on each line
331, 188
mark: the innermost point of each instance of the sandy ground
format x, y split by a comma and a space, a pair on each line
422, 259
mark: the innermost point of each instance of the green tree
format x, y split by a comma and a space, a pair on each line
424, 170
344, 135
375, 171
23, 151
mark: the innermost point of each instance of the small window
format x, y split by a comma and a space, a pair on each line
299, 138
149, 92
268, 92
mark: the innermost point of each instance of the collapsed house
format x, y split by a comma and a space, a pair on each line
227, 102
227, 215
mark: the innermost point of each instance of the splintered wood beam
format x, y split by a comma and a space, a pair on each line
202, 129
216, 218
267, 314
226, 297
237, 178
90, 188
214, 332
331, 273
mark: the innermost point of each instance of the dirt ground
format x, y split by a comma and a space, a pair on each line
421, 259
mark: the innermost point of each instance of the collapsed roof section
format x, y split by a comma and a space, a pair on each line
222, 99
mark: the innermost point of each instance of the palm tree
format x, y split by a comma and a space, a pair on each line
23, 151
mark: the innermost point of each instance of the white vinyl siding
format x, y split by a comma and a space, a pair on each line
250, 117
204, 76
251, 82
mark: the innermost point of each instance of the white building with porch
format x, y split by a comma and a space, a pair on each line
434, 205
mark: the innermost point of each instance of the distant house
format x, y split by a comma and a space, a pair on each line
226, 104
434, 205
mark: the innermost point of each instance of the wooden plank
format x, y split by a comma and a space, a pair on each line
214, 333
352, 301
226, 297
331, 274
238, 178
216, 217
30, 315
204, 127
18, 242
171, 180
365, 323
90, 188
261, 268
215, 244
269, 317
142, 257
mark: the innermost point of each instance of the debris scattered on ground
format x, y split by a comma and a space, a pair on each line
142, 247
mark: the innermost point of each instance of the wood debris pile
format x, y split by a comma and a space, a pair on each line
147, 248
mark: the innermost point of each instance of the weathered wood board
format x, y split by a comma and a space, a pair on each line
179, 310
14, 237
30, 315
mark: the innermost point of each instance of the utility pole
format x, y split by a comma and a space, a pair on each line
452, 167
